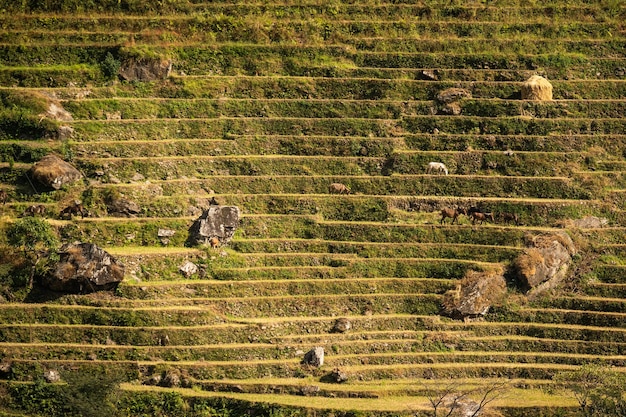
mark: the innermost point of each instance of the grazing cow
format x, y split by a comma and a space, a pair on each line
4, 196
453, 213
72, 210
509, 217
34, 210
214, 242
338, 188
436, 167
481, 217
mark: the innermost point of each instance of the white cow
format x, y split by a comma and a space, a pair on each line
436, 167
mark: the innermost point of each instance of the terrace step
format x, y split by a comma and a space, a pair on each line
349, 87
276, 288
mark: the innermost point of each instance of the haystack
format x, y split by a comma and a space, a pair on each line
537, 88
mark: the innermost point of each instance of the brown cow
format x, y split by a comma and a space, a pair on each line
481, 217
214, 242
338, 188
509, 217
34, 210
453, 213
73, 209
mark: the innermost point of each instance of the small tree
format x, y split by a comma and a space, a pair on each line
597, 389
453, 398
36, 239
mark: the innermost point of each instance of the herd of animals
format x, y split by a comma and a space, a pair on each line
474, 213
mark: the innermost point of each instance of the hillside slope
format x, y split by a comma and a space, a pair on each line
262, 106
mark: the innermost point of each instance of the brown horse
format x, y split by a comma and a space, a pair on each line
453, 213
72, 210
509, 217
476, 215
4, 196
34, 210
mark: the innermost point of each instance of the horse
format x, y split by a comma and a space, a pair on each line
509, 217
436, 167
69, 211
338, 188
453, 213
4, 196
477, 215
34, 210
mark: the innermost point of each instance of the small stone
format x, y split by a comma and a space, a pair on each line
342, 325
338, 376
51, 376
309, 390
171, 380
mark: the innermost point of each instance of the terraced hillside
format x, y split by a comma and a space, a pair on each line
265, 106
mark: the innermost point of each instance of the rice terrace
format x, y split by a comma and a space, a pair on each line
313, 208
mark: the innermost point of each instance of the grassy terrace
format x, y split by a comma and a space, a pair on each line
265, 106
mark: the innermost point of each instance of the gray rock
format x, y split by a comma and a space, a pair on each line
430, 75
450, 109
545, 262
188, 269
5, 369
309, 390
590, 222
84, 268
65, 132
153, 380
338, 376
52, 375
53, 172
164, 235
215, 222
56, 111
451, 95
145, 69
314, 357
341, 325
122, 207
171, 379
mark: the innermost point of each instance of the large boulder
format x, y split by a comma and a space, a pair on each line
314, 357
120, 206
145, 69
84, 268
53, 172
545, 262
537, 88
216, 222
448, 101
475, 294
588, 222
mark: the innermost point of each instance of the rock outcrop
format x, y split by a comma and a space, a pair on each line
476, 293
122, 207
314, 357
53, 172
341, 325
84, 268
448, 100
546, 262
145, 69
589, 222
216, 222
